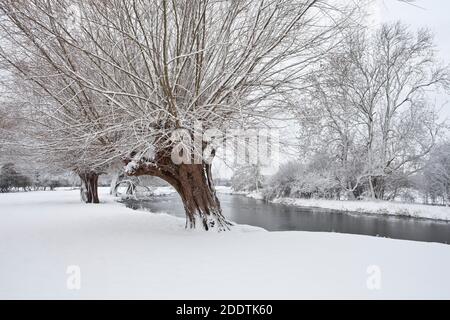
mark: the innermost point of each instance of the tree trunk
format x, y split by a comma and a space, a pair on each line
378, 184
350, 195
89, 187
196, 189
371, 189
194, 184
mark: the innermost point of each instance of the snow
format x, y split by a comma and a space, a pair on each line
142, 193
131, 166
129, 254
255, 195
229, 190
163, 191
224, 190
374, 207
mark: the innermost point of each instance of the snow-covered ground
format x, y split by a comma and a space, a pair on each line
122, 253
163, 191
374, 207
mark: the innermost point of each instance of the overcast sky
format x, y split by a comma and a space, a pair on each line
433, 14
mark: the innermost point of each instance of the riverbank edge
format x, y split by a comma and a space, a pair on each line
372, 208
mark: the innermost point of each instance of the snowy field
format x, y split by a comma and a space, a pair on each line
129, 254
374, 207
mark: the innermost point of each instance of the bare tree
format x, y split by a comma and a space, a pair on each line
164, 65
370, 103
65, 121
408, 125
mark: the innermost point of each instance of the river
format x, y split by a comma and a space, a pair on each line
278, 217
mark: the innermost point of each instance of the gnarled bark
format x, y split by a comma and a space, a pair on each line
196, 189
194, 184
89, 187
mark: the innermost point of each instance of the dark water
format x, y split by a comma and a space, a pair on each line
278, 217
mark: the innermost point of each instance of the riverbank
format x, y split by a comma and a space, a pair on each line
122, 253
389, 208
373, 207
228, 190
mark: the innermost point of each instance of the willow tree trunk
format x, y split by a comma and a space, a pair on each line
194, 184
89, 187
196, 189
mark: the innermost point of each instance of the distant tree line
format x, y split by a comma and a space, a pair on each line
317, 179
366, 126
434, 181
11, 179
367, 115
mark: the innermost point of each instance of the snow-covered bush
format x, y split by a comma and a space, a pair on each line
247, 178
298, 180
284, 181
